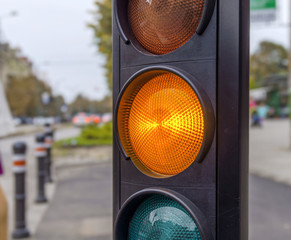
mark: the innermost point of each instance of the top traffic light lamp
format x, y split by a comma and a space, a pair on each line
160, 27
180, 72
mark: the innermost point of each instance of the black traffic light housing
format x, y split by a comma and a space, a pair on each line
217, 58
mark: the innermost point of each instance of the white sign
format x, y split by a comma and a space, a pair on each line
263, 11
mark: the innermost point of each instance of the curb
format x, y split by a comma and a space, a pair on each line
38, 130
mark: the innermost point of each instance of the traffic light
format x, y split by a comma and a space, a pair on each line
180, 93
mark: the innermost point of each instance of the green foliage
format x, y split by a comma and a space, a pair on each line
252, 83
102, 28
80, 104
97, 132
269, 59
24, 97
23, 88
91, 135
83, 104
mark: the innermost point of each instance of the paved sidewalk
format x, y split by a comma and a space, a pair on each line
82, 207
23, 129
31, 129
270, 211
270, 155
34, 211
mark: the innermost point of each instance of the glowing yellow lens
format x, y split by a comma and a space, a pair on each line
161, 26
160, 123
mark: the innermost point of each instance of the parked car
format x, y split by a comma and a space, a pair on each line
81, 119
17, 121
95, 118
40, 121
106, 117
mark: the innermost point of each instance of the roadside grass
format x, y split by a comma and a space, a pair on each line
90, 136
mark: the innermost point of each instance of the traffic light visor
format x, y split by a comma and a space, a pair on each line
161, 26
161, 123
159, 217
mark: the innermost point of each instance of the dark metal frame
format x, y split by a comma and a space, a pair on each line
206, 105
129, 207
232, 120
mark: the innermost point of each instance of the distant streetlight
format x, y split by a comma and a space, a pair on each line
13, 13
10, 14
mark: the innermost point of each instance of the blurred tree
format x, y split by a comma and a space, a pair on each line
270, 58
102, 28
14, 63
83, 104
23, 88
103, 106
24, 97
80, 104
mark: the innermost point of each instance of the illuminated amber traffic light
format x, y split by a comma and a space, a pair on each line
163, 26
161, 123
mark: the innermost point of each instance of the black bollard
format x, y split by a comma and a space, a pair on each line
48, 144
41, 154
19, 168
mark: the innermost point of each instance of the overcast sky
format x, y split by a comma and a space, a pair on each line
53, 34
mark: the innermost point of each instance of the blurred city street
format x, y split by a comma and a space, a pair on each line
67, 75
270, 212
270, 194
7, 180
82, 205
269, 153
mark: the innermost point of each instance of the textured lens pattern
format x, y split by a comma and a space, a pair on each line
161, 123
160, 217
161, 26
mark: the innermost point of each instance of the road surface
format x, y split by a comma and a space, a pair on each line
82, 207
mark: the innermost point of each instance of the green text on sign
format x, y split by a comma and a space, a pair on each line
263, 4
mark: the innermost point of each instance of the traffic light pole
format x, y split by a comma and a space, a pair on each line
233, 118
